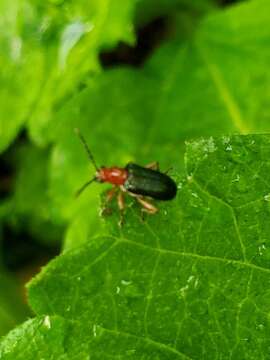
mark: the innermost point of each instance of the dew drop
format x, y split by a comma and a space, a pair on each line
183, 291
224, 168
47, 322
236, 179
125, 282
95, 330
260, 327
179, 186
226, 140
261, 249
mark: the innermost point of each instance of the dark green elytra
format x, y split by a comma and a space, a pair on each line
148, 182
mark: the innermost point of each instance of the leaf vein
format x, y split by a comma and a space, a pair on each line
149, 341
197, 256
222, 88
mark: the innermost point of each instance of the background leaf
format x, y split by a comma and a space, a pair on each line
148, 9
61, 42
13, 310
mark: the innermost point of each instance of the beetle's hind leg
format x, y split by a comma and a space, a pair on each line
168, 170
147, 207
155, 166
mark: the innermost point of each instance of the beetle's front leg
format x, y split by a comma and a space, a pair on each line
109, 196
121, 205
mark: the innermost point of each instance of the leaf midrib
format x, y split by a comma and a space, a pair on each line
193, 255
223, 91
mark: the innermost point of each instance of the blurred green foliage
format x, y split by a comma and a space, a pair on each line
207, 75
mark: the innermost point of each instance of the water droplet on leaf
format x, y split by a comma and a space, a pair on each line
47, 322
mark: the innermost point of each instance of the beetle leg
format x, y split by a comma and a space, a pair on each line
109, 196
168, 170
153, 165
147, 206
121, 205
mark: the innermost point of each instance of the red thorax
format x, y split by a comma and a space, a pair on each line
113, 175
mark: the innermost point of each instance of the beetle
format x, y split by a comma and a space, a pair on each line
137, 181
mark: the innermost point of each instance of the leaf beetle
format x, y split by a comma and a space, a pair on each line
137, 181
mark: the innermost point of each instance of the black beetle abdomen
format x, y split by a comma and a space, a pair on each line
148, 182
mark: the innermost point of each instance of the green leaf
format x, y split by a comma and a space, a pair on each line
18, 57
33, 337
217, 83
85, 29
188, 283
47, 51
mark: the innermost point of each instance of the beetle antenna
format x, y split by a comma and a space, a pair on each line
78, 193
90, 155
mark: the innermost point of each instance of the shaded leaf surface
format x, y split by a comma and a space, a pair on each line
12, 308
29, 207
189, 283
148, 9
